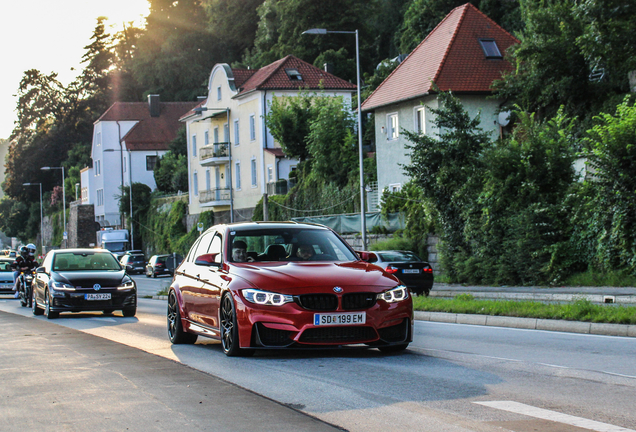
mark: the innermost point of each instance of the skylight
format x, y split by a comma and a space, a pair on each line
294, 75
491, 50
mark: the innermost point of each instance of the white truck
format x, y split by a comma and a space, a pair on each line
116, 241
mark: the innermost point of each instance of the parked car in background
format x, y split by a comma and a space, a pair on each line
133, 263
78, 280
416, 274
160, 265
282, 285
6, 275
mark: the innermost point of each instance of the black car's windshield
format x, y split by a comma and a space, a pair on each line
288, 244
83, 261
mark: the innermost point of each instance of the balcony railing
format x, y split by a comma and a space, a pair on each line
220, 195
280, 187
214, 151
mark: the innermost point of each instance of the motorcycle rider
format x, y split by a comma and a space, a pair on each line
23, 263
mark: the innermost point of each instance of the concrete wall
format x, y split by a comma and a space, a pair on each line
81, 226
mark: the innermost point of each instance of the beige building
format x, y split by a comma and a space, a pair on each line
233, 159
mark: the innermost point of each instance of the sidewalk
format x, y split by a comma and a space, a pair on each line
620, 296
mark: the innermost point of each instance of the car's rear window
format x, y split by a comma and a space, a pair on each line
83, 261
398, 256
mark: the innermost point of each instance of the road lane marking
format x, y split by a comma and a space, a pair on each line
528, 410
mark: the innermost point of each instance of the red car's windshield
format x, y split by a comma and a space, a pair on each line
288, 244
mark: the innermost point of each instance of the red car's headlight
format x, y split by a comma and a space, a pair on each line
394, 295
266, 297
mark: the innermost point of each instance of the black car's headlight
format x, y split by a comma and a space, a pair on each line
266, 297
395, 295
61, 286
126, 284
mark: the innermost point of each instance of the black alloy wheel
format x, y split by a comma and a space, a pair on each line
34, 306
176, 334
29, 296
229, 330
47, 307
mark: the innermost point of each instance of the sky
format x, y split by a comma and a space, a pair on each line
50, 36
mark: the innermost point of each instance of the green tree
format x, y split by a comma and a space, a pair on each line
141, 195
288, 119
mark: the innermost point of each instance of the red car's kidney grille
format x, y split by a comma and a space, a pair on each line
358, 301
318, 302
346, 334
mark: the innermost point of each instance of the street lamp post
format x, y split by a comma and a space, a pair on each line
41, 215
229, 146
63, 199
317, 31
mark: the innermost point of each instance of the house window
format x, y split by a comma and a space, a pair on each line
227, 176
252, 128
420, 120
236, 132
226, 133
195, 183
270, 173
151, 161
294, 75
392, 126
100, 197
98, 139
395, 187
207, 179
237, 170
216, 135
218, 93
194, 145
96, 167
206, 138
491, 50
254, 183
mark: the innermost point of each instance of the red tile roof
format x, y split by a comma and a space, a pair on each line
274, 77
450, 57
150, 133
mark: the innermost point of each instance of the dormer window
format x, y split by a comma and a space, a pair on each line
294, 75
491, 50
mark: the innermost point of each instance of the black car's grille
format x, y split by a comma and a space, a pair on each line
345, 334
273, 337
358, 301
396, 333
318, 302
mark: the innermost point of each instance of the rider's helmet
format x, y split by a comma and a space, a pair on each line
31, 248
24, 252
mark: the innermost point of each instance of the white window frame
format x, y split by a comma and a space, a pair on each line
419, 120
270, 173
237, 171
208, 180
195, 183
236, 132
206, 137
194, 145
252, 127
392, 133
216, 135
395, 187
254, 171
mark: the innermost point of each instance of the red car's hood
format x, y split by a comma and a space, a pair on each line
289, 275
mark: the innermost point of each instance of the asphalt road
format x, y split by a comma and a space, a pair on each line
452, 378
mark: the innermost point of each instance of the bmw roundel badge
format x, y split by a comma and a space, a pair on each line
97, 287
337, 290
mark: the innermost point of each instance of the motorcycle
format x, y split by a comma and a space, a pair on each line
24, 288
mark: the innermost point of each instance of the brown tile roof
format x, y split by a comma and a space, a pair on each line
450, 57
150, 133
274, 77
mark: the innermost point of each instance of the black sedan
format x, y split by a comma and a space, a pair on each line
416, 274
78, 280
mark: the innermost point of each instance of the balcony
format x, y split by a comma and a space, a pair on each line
280, 187
214, 197
215, 154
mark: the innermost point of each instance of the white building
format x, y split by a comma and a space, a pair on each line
232, 157
128, 139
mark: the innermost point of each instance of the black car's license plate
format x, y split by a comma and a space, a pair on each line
105, 296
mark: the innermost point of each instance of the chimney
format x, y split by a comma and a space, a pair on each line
328, 68
153, 105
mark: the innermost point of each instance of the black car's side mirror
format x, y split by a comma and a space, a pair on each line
207, 260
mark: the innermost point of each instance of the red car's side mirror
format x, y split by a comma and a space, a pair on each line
364, 256
207, 260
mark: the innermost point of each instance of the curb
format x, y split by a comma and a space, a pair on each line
540, 297
625, 330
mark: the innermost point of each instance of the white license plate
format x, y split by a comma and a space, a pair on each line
411, 271
340, 319
105, 296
